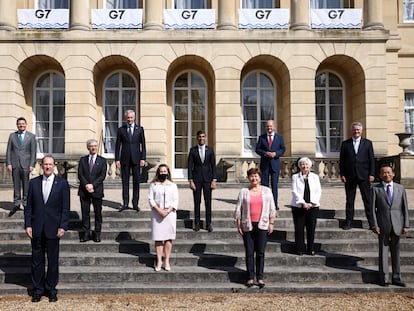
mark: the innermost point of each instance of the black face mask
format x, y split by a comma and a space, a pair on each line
163, 177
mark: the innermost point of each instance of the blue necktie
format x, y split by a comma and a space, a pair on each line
389, 193
20, 138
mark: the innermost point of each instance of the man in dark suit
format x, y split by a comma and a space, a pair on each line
270, 147
20, 161
357, 168
202, 176
46, 218
130, 155
389, 219
91, 173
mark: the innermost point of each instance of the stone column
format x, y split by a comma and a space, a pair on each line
299, 14
154, 10
227, 15
79, 14
8, 15
373, 14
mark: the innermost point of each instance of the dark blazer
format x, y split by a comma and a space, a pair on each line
47, 217
128, 151
278, 146
199, 171
357, 166
23, 155
96, 177
388, 216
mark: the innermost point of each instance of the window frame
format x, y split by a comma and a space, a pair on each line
260, 124
138, 5
207, 5
275, 4
407, 128
48, 5
403, 5
51, 89
121, 111
329, 152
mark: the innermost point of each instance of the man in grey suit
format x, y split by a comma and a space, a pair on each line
389, 220
20, 161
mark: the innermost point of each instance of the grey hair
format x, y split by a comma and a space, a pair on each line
90, 141
357, 123
128, 112
305, 159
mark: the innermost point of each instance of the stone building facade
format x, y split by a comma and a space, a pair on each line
73, 83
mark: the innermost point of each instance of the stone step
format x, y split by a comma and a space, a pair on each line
218, 274
90, 288
229, 246
201, 259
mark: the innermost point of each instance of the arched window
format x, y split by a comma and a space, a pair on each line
190, 115
258, 100
119, 94
49, 113
329, 114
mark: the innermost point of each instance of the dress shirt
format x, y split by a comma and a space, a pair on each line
47, 183
356, 144
202, 152
385, 185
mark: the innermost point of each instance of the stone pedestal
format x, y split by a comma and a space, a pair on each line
403, 165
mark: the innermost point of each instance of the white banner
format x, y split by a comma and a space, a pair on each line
263, 18
117, 18
47, 18
336, 18
189, 19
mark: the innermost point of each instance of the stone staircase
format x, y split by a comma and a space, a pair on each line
346, 261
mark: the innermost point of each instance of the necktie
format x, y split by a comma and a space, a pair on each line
20, 138
389, 193
90, 163
46, 190
130, 132
270, 141
202, 155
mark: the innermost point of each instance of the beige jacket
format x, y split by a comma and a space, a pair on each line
242, 211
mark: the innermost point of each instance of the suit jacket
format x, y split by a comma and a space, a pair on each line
47, 216
130, 152
242, 211
386, 216
357, 166
23, 155
96, 177
298, 189
199, 171
278, 146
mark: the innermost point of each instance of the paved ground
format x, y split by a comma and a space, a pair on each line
224, 198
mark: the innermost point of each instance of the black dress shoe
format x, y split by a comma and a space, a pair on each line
35, 298
261, 284
85, 238
123, 208
398, 283
97, 237
53, 298
13, 211
197, 227
209, 228
347, 226
311, 252
383, 284
136, 208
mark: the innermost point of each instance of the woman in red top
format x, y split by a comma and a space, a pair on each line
255, 216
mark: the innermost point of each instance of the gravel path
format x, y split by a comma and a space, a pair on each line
210, 302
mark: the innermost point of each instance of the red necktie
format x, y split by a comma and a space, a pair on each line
270, 141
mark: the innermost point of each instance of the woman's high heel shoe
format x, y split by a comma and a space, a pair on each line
261, 284
249, 283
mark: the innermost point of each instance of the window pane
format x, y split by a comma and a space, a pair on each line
326, 4
265, 81
409, 116
249, 97
334, 81
250, 113
320, 80
250, 81
53, 4
44, 81
182, 81
112, 81
258, 4
190, 4
127, 80
121, 4
58, 145
408, 8
129, 99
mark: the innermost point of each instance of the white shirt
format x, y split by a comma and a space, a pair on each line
47, 183
356, 143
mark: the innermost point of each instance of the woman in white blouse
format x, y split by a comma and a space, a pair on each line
163, 199
306, 194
